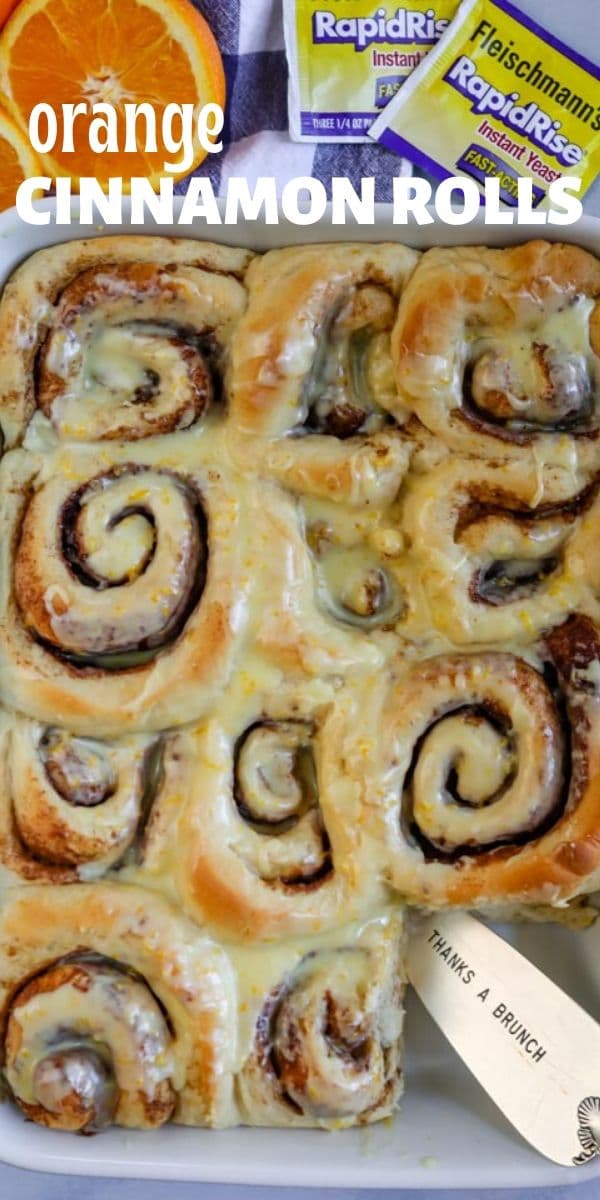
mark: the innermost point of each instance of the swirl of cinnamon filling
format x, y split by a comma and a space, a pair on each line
69, 806
480, 753
339, 393
499, 350
325, 366
77, 769
531, 386
500, 550
271, 835
117, 364
277, 795
312, 380
114, 1009
109, 574
356, 587
119, 338
126, 593
333, 594
484, 770
87, 1045
326, 1049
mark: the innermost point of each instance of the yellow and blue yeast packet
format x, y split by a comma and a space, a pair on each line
348, 58
499, 97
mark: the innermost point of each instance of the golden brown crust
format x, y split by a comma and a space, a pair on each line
468, 521
358, 666
64, 282
531, 826
463, 299
68, 804
291, 291
72, 1110
43, 601
306, 305
140, 932
325, 1048
269, 837
87, 292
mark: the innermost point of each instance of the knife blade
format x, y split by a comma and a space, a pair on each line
533, 1049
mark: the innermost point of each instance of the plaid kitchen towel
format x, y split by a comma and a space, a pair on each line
255, 137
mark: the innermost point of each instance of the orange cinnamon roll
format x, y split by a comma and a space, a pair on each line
120, 337
326, 1045
115, 1010
299, 623
268, 842
331, 591
501, 552
498, 351
71, 808
122, 596
484, 776
312, 384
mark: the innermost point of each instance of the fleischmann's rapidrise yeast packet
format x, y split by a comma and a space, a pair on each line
499, 97
347, 58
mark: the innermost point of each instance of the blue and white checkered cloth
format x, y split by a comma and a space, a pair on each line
255, 137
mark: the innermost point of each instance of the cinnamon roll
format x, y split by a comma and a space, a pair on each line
299, 622
500, 552
122, 596
120, 337
269, 840
115, 1010
485, 774
326, 1047
71, 808
332, 589
312, 382
498, 351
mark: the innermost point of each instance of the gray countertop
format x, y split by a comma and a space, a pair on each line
25, 1185
578, 21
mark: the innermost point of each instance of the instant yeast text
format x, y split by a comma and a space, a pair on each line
349, 57
499, 97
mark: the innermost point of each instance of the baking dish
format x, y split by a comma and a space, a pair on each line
448, 1134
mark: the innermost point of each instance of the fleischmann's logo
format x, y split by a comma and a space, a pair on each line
404, 26
534, 74
529, 120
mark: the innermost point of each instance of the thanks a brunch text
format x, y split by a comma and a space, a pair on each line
499, 1010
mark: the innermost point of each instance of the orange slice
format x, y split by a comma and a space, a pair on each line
6, 7
116, 51
17, 160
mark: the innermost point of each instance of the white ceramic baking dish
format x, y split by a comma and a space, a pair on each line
448, 1134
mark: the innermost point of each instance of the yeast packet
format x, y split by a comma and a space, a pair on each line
499, 97
347, 58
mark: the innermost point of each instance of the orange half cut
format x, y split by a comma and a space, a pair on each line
6, 7
116, 51
17, 160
